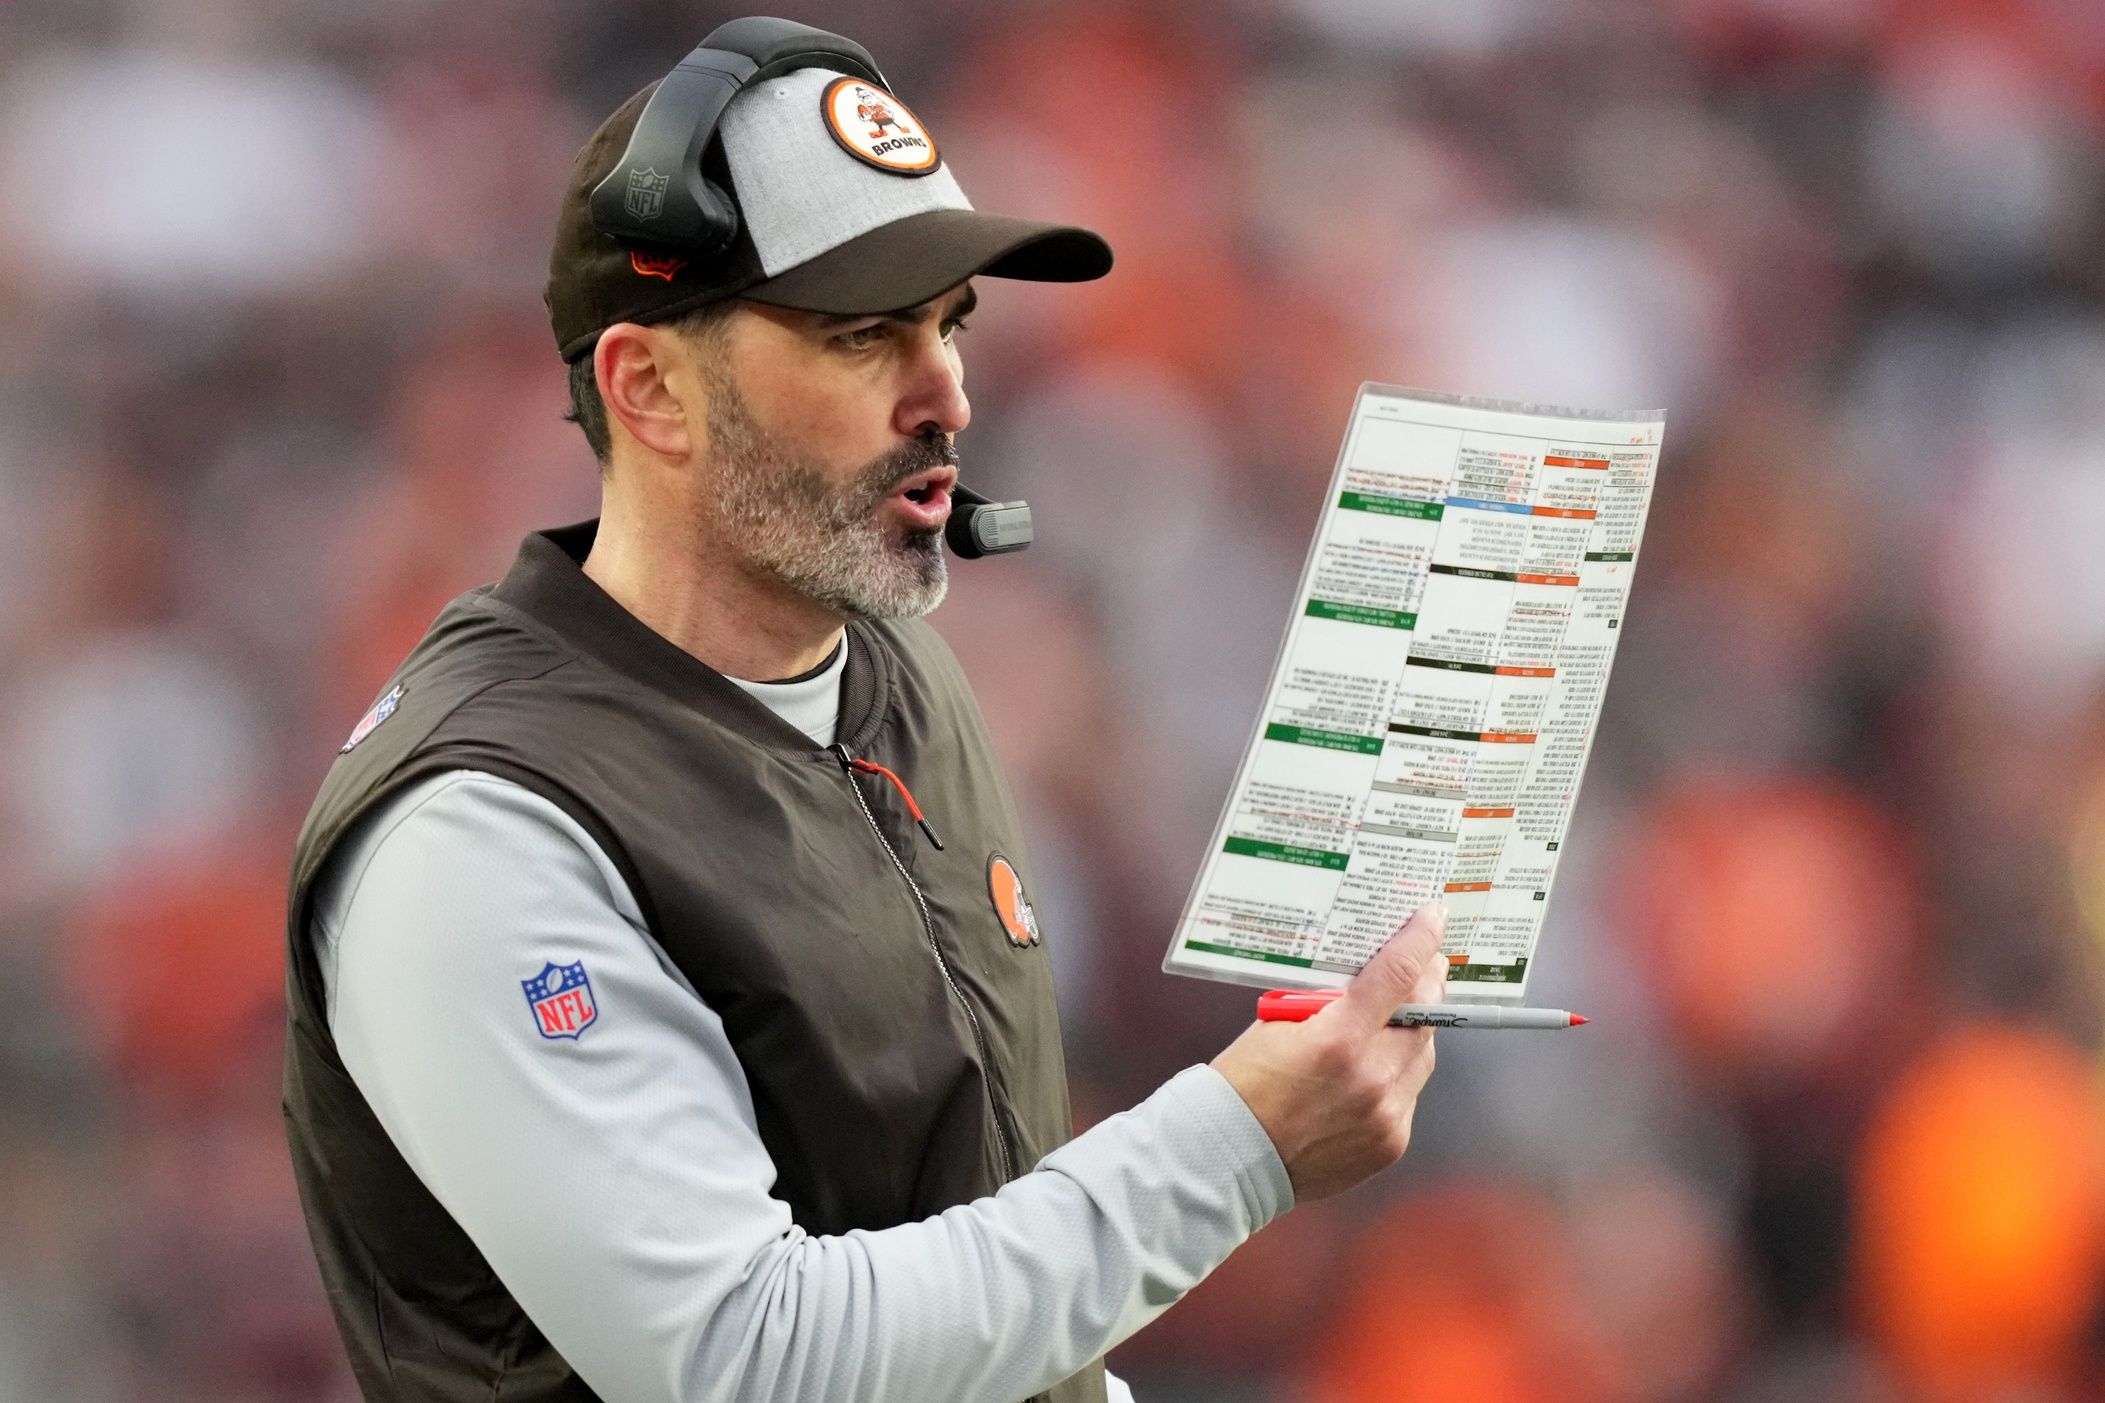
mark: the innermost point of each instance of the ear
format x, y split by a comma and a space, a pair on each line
648, 387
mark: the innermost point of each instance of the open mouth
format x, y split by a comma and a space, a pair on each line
924, 498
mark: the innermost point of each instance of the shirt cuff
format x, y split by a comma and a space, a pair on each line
1213, 1126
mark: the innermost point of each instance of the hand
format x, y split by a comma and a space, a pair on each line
1337, 1092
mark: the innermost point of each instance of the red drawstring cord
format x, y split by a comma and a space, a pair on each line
871, 768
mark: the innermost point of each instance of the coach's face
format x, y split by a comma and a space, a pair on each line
829, 460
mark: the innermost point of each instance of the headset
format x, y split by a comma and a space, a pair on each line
664, 154
664, 160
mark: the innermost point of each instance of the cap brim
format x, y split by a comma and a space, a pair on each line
910, 260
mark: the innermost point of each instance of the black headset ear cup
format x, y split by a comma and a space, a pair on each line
658, 192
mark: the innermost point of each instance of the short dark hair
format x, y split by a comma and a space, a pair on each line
589, 412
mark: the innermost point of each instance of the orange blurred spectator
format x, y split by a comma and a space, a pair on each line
1779, 919
179, 967
1131, 115
1981, 1244
1464, 1294
478, 455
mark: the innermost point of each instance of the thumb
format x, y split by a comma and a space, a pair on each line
1386, 981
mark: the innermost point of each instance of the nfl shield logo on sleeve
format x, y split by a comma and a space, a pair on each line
382, 709
561, 998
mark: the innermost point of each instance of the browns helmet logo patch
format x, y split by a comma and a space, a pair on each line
1018, 918
875, 128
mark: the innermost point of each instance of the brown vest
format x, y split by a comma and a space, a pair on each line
902, 1048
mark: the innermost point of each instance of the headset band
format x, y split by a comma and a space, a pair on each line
656, 192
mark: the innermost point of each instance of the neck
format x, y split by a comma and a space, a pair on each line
664, 568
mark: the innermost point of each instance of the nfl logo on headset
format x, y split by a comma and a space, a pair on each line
646, 193
561, 998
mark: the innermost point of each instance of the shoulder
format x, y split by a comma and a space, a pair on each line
479, 641
458, 825
475, 647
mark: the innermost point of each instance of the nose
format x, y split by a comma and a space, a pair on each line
933, 395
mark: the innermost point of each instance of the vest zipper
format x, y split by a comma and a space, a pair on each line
849, 765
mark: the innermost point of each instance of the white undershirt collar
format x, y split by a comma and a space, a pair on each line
811, 703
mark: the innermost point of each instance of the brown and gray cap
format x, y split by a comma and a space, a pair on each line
845, 206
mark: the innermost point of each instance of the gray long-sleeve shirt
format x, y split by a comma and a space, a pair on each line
617, 1182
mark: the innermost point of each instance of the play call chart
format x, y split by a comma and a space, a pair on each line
1435, 698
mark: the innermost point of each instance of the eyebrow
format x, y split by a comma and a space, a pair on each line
912, 316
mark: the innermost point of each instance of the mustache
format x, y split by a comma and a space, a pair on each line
883, 475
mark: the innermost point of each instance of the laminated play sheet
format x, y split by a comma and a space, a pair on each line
1435, 698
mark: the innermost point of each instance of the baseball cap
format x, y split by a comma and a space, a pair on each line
845, 206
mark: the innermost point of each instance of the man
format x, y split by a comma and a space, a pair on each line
650, 1037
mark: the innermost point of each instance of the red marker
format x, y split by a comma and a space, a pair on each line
1293, 1005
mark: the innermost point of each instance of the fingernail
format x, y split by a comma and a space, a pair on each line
1439, 918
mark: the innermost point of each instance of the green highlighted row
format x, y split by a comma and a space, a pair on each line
1361, 614
1285, 852
1391, 506
1323, 740
1249, 954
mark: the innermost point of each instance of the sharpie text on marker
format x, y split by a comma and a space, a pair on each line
1294, 1005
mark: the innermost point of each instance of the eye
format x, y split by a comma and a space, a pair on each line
952, 328
861, 338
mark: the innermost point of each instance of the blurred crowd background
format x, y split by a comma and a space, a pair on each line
275, 383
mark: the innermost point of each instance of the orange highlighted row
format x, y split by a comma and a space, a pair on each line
1573, 512
1508, 737
1487, 813
1547, 579
1468, 886
1527, 672
1554, 461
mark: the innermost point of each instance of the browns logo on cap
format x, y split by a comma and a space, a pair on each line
815, 231
873, 126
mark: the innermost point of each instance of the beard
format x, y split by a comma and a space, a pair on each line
824, 539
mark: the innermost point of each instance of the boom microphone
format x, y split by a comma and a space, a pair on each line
979, 527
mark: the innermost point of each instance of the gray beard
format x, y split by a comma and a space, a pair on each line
826, 542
